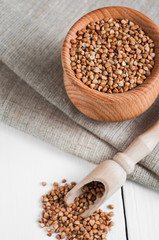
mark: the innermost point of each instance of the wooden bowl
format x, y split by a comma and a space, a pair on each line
117, 106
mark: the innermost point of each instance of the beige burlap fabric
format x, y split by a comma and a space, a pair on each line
32, 95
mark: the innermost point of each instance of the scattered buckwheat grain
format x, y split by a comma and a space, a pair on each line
111, 206
43, 184
112, 56
66, 222
63, 180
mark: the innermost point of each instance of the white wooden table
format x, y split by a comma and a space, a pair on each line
26, 161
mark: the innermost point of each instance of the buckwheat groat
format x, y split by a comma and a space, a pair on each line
112, 56
66, 221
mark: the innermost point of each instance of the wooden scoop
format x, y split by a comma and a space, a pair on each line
113, 173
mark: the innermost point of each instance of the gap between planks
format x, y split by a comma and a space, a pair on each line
141, 211
124, 212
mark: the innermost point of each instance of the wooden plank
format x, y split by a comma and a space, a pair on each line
25, 163
118, 231
142, 212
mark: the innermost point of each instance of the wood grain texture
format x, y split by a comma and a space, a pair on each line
116, 106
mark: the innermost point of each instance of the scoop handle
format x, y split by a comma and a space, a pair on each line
138, 149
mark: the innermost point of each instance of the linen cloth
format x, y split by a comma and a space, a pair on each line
32, 94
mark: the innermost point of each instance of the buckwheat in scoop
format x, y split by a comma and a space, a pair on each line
112, 56
66, 221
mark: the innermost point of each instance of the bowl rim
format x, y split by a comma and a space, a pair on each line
148, 84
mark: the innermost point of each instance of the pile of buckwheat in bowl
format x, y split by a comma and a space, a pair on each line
66, 222
112, 56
